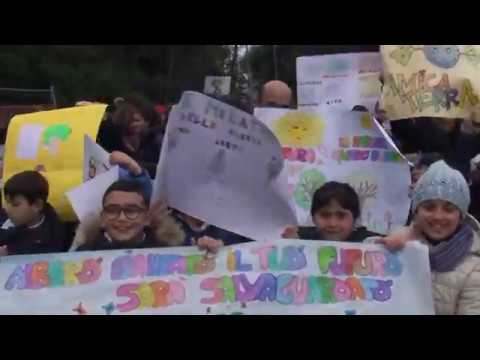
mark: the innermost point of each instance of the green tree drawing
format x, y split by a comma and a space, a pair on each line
310, 181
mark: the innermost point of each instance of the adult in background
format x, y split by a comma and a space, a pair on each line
128, 131
475, 187
276, 94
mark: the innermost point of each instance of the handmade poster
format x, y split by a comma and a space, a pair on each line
343, 146
86, 199
340, 81
52, 143
96, 160
217, 85
223, 166
431, 80
284, 277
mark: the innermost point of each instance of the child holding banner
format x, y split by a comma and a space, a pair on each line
440, 204
126, 222
335, 211
194, 229
30, 225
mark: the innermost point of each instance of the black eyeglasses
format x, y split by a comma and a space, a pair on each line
113, 212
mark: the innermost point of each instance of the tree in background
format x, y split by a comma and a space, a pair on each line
93, 72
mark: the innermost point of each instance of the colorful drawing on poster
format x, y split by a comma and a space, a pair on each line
365, 184
310, 181
299, 129
277, 277
54, 135
80, 309
92, 168
430, 80
337, 65
367, 122
442, 56
109, 308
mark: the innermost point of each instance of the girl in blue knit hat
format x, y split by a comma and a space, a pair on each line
440, 203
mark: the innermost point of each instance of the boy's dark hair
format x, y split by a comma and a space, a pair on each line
344, 194
30, 184
127, 186
359, 108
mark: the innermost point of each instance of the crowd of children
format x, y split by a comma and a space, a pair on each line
441, 209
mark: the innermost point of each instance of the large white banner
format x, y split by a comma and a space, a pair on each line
278, 277
343, 146
340, 81
223, 166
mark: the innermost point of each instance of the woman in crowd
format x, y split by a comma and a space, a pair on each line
441, 221
128, 131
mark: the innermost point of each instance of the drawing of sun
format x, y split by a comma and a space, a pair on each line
298, 129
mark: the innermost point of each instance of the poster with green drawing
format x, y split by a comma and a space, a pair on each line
430, 80
332, 145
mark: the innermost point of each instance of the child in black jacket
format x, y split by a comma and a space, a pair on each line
28, 223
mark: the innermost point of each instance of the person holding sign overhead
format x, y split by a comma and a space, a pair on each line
441, 221
335, 213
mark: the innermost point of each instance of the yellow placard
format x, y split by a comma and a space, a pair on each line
431, 80
52, 142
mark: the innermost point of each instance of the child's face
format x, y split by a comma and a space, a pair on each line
438, 219
20, 211
138, 125
334, 222
124, 216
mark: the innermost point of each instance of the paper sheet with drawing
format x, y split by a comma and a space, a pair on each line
96, 160
217, 85
431, 80
52, 142
341, 81
223, 166
86, 199
342, 146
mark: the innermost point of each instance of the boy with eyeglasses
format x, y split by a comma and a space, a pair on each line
126, 222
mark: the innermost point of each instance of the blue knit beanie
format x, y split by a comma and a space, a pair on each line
441, 182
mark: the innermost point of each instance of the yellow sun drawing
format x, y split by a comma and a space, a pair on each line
298, 129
